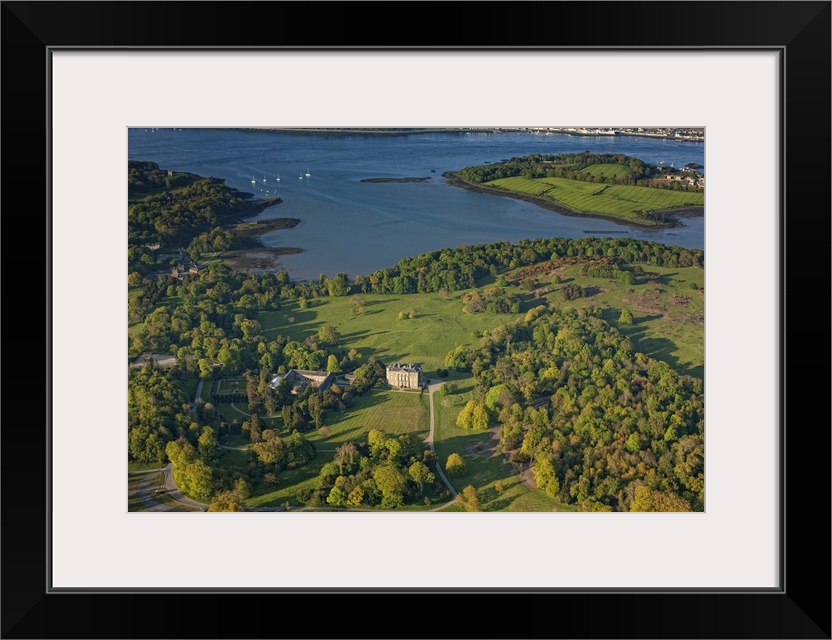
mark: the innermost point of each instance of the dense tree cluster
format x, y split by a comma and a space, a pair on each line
495, 300
216, 319
464, 266
609, 268
562, 165
571, 291
575, 166
387, 472
216, 240
176, 216
157, 412
593, 419
198, 473
146, 176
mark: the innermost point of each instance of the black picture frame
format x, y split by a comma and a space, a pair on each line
800, 31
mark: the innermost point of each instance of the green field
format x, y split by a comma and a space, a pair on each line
233, 457
144, 466
589, 197
663, 329
394, 412
439, 325
289, 483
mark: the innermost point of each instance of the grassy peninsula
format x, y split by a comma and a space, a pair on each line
611, 186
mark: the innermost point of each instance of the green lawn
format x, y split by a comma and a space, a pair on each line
206, 390
233, 457
290, 482
669, 323
394, 412
231, 385
590, 197
439, 325
240, 412
144, 466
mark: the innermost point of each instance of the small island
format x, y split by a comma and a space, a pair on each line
427, 179
609, 186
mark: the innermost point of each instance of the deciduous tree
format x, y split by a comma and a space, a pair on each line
455, 466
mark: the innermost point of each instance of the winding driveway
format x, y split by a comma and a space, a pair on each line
433, 388
174, 492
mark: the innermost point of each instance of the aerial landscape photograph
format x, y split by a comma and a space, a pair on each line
500, 319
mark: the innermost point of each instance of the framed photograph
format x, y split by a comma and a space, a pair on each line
86, 83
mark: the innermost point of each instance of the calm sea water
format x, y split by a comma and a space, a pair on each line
356, 227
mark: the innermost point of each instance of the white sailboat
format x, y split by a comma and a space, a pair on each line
253, 180
300, 177
278, 177
264, 178
307, 172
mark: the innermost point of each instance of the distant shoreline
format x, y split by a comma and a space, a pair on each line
335, 132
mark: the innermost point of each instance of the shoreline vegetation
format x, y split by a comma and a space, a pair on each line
250, 252
183, 214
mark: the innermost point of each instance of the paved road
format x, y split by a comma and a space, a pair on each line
147, 488
197, 394
174, 492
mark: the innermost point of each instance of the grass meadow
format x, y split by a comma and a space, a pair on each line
438, 327
589, 197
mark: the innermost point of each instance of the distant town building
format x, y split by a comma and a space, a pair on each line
405, 376
300, 379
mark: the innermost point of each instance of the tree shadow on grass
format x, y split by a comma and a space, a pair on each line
531, 303
591, 291
659, 348
667, 278
373, 303
348, 337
